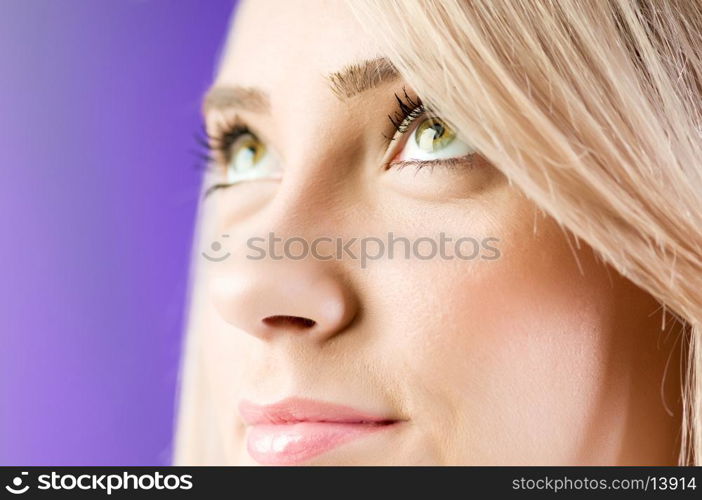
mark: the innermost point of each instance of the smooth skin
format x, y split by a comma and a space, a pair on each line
542, 356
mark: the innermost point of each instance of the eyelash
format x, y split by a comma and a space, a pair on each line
218, 145
216, 149
408, 110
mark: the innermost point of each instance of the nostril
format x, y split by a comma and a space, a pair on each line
289, 322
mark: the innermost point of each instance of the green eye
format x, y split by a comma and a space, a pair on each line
239, 155
250, 159
433, 140
246, 154
433, 135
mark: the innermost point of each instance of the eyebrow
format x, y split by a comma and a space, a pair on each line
359, 77
351, 80
246, 98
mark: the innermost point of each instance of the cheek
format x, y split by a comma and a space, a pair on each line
226, 356
515, 349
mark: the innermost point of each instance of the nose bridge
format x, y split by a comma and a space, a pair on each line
322, 166
314, 199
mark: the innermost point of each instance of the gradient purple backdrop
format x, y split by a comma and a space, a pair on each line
99, 103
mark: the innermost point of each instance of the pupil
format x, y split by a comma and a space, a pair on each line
439, 128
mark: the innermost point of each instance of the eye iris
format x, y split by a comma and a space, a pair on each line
247, 154
433, 134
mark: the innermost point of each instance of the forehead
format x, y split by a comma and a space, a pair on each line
275, 43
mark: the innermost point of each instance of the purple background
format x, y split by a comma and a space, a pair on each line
99, 104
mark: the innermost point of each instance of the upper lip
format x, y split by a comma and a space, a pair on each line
295, 410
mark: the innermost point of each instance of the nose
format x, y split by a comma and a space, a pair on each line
269, 299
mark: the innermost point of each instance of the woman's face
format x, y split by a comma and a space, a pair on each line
509, 344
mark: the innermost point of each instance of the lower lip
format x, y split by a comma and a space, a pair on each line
296, 443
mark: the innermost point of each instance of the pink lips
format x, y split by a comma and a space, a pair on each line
294, 430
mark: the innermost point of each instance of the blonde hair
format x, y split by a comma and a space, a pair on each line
594, 110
